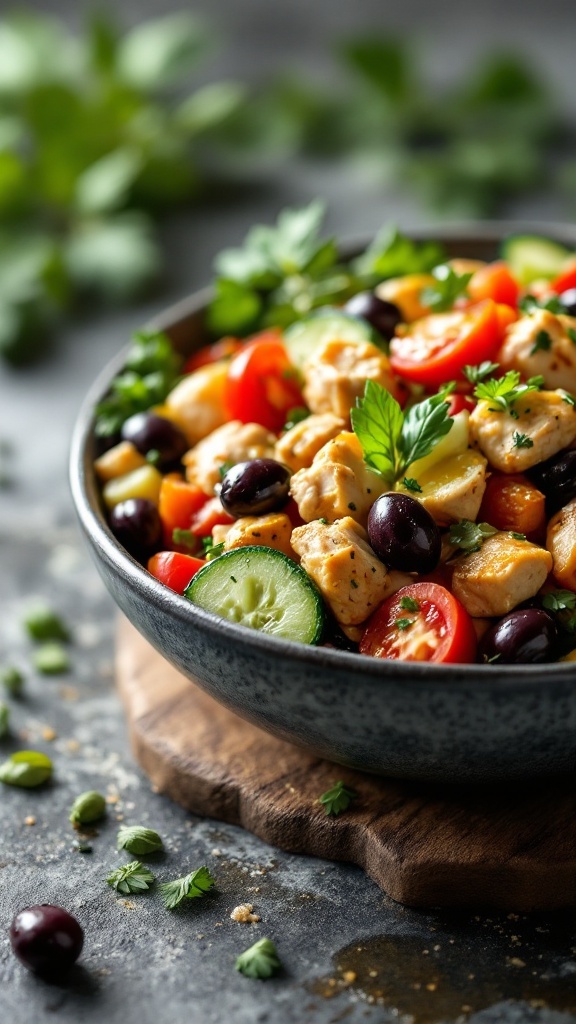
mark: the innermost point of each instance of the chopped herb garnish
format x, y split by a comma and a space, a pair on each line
542, 343
223, 469
404, 624
234, 580
562, 603
529, 304
470, 536
185, 538
131, 878
337, 799
392, 440
12, 680
522, 441
26, 768
354, 584
517, 536
81, 846
475, 374
323, 521
197, 883
139, 840
88, 807
212, 550
569, 399
4, 719
504, 392
449, 287
411, 485
42, 623
51, 659
351, 506
571, 332
409, 604
295, 416
259, 961
150, 372
153, 456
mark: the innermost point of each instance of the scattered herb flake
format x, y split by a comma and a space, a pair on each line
259, 961
411, 485
185, 538
131, 878
42, 623
542, 343
4, 719
197, 883
522, 441
449, 287
337, 799
12, 680
476, 374
469, 536
517, 536
404, 624
409, 604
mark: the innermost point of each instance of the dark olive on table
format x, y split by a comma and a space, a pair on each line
46, 938
556, 478
151, 433
403, 533
137, 525
523, 637
383, 316
568, 300
255, 488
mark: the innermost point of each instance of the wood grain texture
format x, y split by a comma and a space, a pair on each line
512, 848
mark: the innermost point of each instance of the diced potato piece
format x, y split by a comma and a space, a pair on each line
505, 572
197, 401
233, 442
338, 483
544, 416
271, 531
453, 489
336, 374
118, 461
405, 292
298, 446
342, 564
525, 349
561, 543
453, 443
140, 483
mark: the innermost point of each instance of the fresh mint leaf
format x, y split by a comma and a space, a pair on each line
210, 107
385, 64
449, 287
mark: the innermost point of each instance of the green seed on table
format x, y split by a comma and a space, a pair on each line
26, 768
88, 807
12, 680
51, 659
44, 624
138, 840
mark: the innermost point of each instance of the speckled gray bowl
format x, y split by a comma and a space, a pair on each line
470, 723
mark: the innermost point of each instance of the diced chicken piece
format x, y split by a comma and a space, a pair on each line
220, 532
197, 401
338, 483
406, 293
505, 572
233, 442
541, 344
343, 565
336, 374
561, 543
543, 416
298, 446
117, 461
271, 531
453, 490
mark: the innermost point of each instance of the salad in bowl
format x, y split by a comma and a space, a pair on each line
377, 455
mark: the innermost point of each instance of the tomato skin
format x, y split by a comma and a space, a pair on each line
210, 515
262, 385
566, 280
438, 347
458, 403
225, 348
441, 617
174, 569
494, 281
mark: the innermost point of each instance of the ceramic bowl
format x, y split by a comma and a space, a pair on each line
462, 723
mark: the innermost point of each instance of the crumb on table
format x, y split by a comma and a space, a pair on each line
243, 913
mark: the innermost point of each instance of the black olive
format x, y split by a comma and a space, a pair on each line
255, 488
525, 636
404, 534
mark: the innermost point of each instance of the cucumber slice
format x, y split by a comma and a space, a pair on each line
530, 257
263, 589
327, 324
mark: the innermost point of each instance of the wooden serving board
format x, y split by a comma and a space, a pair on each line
426, 846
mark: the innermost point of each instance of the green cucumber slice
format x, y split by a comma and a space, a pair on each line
531, 257
326, 324
263, 589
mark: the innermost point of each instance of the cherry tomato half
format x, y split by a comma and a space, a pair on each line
566, 280
173, 569
210, 515
457, 403
223, 349
438, 347
262, 384
494, 281
440, 629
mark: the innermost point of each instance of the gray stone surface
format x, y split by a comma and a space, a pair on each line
141, 963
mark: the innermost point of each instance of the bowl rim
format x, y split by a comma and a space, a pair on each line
85, 498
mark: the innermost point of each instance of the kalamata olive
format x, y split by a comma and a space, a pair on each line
256, 487
403, 533
525, 636
556, 478
137, 525
46, 938
151, 433
568, 300
383, 316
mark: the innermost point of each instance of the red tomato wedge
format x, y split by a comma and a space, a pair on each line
494, 281
210, 515
174, 570
262, 384
439, 629
436, 348
566, 280
458, 403
223, 349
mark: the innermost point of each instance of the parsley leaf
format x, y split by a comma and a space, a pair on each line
392, 440
259, 961
197, 883
212, 550
503, 392
404, 624
529, 304
392, 254
469, 536
475, 374
131, 878
337, 799
411, 485
409, 604
150, 372
449, 287
562, 604
542, 343
517, 536
522, 440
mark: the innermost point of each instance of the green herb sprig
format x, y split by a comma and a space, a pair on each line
337, 799
469, 536
504, 392
192, 886
259, 961
449, 287
131, 878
